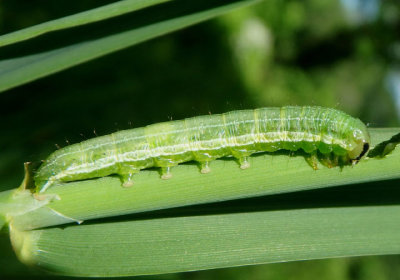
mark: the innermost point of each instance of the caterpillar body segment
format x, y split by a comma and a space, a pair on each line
205, 138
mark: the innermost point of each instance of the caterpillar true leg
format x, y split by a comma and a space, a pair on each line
329, 160
312, 160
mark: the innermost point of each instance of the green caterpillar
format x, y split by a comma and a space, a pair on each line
333, 133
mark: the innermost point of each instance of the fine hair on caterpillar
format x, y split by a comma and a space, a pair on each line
338, 137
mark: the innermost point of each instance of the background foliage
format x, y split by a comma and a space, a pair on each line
275, 53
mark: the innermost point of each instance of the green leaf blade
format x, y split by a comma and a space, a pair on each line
168, 245
17, 71
94, 15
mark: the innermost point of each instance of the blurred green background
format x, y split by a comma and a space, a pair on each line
342, 54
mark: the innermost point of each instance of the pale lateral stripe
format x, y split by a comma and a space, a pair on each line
161, 152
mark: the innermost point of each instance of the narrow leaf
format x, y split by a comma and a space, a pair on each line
97, 14
166, 245
17, 71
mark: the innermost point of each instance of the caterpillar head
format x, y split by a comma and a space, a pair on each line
361, 141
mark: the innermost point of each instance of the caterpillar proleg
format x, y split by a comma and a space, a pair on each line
333, 133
